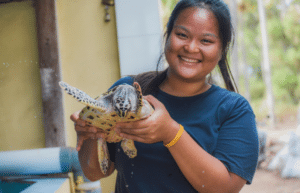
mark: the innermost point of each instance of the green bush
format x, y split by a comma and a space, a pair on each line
257, 89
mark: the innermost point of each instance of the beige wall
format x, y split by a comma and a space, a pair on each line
88, 57
21, 124
88, 51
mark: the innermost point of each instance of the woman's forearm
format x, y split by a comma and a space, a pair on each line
205, 172
89, 162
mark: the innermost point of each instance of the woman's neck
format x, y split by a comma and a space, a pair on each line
181, 88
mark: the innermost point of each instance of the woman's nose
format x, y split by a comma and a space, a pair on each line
192, 47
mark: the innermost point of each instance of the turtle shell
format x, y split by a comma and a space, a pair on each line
123, 103
106, 122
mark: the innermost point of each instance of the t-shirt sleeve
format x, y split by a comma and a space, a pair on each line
112, 146
125, 80
237, 145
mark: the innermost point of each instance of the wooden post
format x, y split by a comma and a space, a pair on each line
52, 97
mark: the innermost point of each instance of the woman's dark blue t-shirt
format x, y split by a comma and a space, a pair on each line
220, 121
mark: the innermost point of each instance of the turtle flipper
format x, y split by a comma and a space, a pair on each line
83, 97
144, 109
129, 148
140, 101
139, 93
103, 155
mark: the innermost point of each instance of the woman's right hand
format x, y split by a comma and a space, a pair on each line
83, 130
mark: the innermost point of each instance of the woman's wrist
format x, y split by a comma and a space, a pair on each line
176, 138
173, 129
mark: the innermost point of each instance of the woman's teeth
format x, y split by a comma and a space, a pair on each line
189, 59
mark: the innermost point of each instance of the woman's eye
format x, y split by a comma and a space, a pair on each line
207, 41
181, 35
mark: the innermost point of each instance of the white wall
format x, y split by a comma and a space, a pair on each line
139, 35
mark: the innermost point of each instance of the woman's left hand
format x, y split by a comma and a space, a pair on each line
158, 127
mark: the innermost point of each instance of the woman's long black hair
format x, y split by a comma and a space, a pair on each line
150, 81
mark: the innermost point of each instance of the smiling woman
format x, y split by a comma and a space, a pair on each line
193, 49
189, 143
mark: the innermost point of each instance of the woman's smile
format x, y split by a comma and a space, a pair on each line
189, 60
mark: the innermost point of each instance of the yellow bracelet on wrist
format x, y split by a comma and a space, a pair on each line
177, 137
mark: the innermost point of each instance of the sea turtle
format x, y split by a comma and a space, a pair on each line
122, 103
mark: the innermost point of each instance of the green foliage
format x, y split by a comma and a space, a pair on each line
281, 95
257, 89
283, 27
168, 6
291, 25
286, 83
292, 58
277, 57
275, 29
297, 90
285, 78
248, 6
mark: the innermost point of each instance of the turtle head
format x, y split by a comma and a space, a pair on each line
122, 106
124, 100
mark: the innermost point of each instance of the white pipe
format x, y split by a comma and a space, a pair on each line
30, 162
45, 161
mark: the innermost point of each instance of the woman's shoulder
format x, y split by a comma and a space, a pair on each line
140, 78
125, 80
231, 100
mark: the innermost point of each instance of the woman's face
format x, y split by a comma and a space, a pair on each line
194, 47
